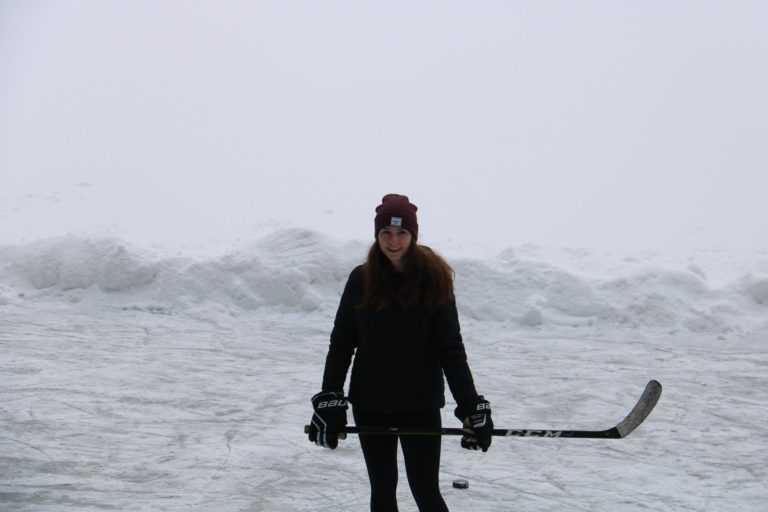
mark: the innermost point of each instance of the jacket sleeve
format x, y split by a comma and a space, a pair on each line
453, 357
343, 336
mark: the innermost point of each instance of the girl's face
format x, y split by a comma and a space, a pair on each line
394, 243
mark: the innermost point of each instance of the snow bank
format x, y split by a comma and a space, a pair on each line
292, 270
296, 270
72, 263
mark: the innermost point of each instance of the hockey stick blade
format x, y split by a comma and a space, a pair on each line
636, 416
641, 410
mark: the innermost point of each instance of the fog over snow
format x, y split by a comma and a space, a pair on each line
595, 124
185, 187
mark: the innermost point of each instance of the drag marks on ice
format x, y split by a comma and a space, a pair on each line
126, 409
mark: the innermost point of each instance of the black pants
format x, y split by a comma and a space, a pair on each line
420, 453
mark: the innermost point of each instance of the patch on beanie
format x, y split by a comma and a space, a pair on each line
396, 221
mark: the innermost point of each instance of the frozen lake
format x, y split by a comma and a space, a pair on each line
147, 397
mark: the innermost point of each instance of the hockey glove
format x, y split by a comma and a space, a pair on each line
330, 416
476, 417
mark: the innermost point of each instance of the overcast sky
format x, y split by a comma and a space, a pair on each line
574, 123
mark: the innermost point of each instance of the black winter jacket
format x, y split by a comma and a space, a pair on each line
399, 356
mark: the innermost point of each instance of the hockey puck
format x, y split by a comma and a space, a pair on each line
460, 484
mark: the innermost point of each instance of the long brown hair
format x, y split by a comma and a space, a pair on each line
427, 279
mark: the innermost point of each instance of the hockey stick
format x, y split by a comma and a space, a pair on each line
636, 416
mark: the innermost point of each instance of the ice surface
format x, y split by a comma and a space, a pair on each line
134, 379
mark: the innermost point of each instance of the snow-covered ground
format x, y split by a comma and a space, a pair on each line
138, 378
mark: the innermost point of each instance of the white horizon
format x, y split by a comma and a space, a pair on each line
608, 125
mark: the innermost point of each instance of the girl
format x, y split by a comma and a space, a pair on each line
398, 317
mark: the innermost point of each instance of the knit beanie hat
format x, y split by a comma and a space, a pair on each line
396, 210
